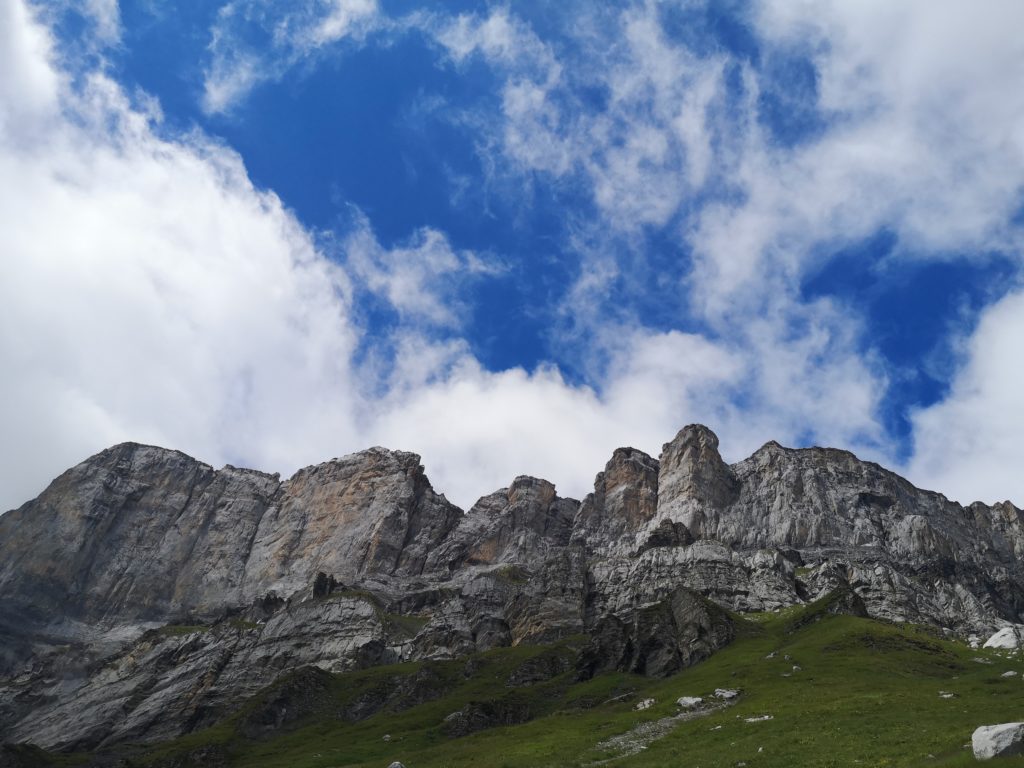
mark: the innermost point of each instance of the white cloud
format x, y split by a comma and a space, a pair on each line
644, 152
923, 136
498, 37
152, 293
478, 429
339, 19
287, 35
969, 445
422, 280
106, 17
924, 130
30, 88
925, 140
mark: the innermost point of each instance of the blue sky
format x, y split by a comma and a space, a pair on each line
513, 237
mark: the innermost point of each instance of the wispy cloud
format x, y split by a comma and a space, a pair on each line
106, 17
423, 280
255, 41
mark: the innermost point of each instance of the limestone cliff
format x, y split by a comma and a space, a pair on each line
144, 594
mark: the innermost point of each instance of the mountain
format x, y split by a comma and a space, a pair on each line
145, 595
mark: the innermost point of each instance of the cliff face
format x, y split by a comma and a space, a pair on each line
144, 594
138, 533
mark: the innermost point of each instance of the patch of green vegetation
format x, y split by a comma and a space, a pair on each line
841, 690
836, 601
28, 756
803, 571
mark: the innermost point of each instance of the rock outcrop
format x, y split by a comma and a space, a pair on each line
145, 594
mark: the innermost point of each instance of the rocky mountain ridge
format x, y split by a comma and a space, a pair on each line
144, 594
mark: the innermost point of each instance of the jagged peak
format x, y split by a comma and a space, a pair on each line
624, 466
772, 446
139, 453
529, 481
249, 471
526, 486
693, 433
629, 454
402, 460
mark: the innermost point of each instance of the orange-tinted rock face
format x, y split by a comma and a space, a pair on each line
625, 498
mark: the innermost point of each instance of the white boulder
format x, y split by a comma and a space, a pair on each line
991, 741
689, 702
644, 704
728, 694
1010, 638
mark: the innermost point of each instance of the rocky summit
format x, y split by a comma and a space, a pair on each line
145, 595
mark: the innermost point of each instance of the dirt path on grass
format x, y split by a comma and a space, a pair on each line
639, 738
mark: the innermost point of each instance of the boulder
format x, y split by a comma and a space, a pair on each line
1007, 638
1000, 740
644, 704
689, 702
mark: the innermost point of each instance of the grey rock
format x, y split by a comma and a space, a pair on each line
480, 715
522, 523
358, 561
694, 482
143, 534
658, 639
1001, 740
1007, 638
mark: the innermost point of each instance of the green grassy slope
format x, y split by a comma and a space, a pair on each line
865, 694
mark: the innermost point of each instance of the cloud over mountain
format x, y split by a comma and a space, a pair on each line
155, 290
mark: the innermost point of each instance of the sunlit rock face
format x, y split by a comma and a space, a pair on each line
144, 594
